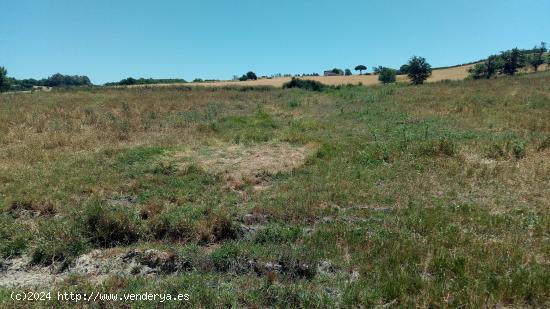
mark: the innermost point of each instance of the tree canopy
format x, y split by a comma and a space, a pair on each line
248, 76
537, 57
360, 68
418, 70
512, 60
4, 81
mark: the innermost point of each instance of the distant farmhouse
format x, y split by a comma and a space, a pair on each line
332, 73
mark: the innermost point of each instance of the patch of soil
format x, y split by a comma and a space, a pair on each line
98, 265
247, 164
30, 209
122, 201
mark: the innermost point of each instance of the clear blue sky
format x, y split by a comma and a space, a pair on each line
110, 40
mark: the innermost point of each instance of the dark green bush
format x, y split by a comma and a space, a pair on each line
387, 75
305, 84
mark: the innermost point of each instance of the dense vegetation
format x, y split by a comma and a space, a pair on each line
386, 75
430, 196
146, 81
305, 84
4, 81
56, 80
509, 62
418, 70
248, 76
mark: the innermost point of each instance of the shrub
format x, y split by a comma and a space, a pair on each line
230, 258
109, 226
215, 228
305, 84
347, 72
58, 242
172, 224
418, 70
478, 71
519, 150
298, 264
442, 147
386, 75
278, 234
486, 69
294, 102
14, 235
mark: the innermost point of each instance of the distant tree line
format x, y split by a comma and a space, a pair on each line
145, 81
56, 80
510, 61
417, 69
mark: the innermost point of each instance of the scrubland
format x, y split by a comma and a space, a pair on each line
432, 196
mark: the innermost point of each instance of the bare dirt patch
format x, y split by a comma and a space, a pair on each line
97, 265
246, 164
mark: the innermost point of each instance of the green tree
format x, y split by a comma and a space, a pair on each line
478, 71
404, 69
418, 70
251, 75
493, 64
360, 68
4, 81
347, 72
387, 75
537, 57
486, 69
512, 60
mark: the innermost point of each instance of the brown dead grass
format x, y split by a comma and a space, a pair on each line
246, 164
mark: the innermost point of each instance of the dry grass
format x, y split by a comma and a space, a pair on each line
434, 195
456, 73
240, 164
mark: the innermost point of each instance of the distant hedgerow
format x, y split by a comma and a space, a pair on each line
305, 84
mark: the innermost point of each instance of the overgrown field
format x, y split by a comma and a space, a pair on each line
433, 195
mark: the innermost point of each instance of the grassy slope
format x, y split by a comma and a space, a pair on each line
439, 193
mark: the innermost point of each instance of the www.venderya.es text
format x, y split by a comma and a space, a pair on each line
98, 296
